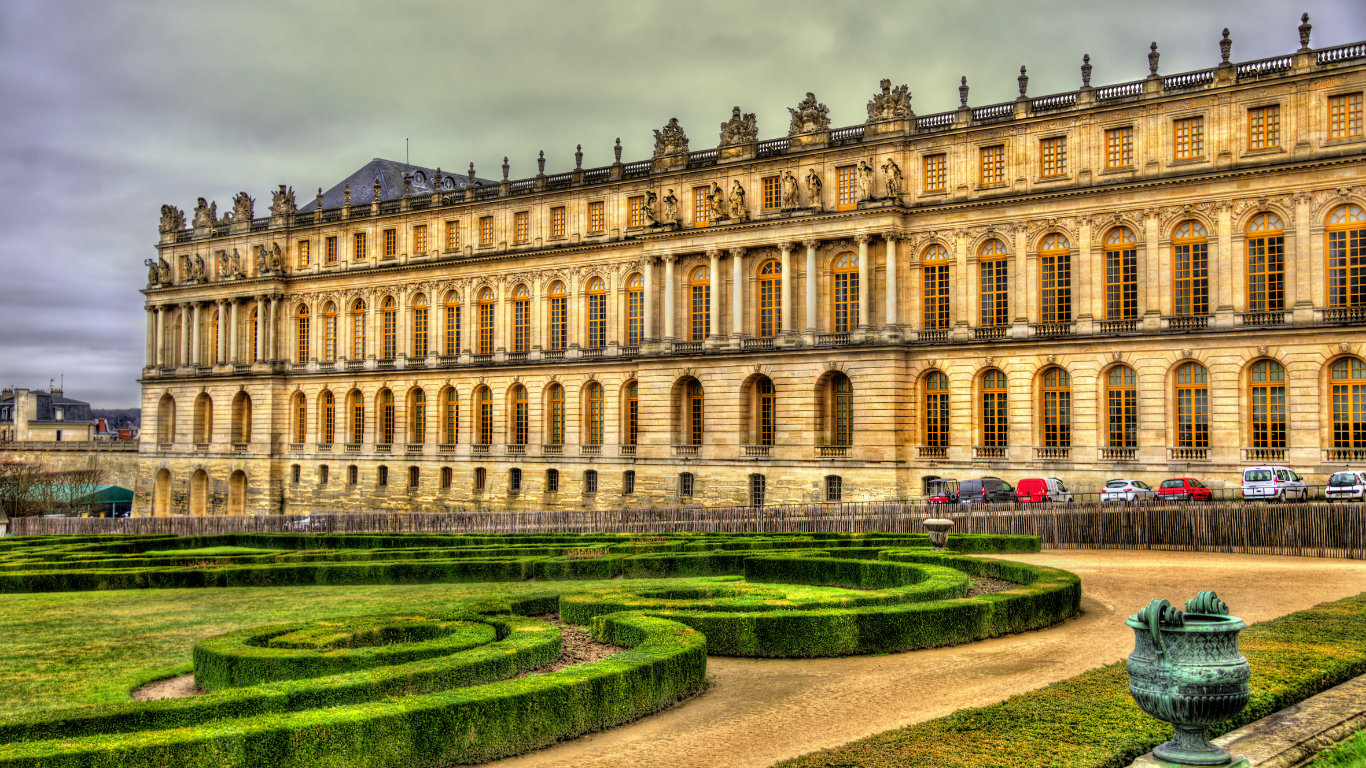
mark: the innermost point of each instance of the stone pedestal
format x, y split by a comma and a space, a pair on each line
1148, 761
669, 162
737, 153
887, 128
814, 140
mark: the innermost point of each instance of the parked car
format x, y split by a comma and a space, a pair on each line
943, 490
1273, 483
1127, 490
987, 490
1184, 489
1034, 490
1346, 486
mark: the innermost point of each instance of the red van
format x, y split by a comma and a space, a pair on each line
1036, 490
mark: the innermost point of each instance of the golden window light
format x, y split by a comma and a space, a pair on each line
995, 410
452, 235
935, 281
597, 313
696, 409
993, 162
1265, 247
330, 254
1119, 147
635, 309
844, 295
327, 418
420, 238
699, 283
357, 417
389, 328
772, 193
1344, 116
302, 337
450, 417
1053, 156
635, 211
358, 330
556, 398
1057, 408
1346, 246
386, 416
486, 310
420, 326
300, 418
360, 252
329, 333
1266, 404
1190, 269
701, 216
770, 298
305, 253
765, 414
452, 345
994, 280
1192, 406
1189, 137
632, 412
1121, 402
595, 413
559, 316
417, 417
557, 221
519, 416
485, 399
1121, 274
597, 217
1055, 279
390, 243
1348, 379
485, 231
521, 226
936, 172
521, 319
843, 390
1264, 127
846, 199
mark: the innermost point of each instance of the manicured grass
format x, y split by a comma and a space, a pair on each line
211, 551
1350, 753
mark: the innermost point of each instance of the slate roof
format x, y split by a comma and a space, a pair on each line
72, 410
390, 175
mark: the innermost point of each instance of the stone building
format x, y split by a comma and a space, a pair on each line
35, 416
1155, 278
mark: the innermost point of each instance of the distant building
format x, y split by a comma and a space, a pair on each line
29, 416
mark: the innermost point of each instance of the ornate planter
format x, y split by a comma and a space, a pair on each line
1186, 670
939, 532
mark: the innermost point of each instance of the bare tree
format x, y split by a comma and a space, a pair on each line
77, 484
17, 482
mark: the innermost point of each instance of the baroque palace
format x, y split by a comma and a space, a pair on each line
1161, 277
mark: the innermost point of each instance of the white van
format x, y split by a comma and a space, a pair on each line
1272, 483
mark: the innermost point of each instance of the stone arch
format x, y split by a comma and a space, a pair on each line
203, 419
237, 493
161, 493
166, 419
199, 493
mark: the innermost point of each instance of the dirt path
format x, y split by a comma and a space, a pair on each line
758, 712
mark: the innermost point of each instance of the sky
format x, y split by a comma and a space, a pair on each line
110, 109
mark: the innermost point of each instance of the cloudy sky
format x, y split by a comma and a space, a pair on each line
111, 109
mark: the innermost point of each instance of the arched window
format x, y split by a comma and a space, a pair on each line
1347, 257
386, 417
1057, 408
590, 482
1192, 406
203, 419
485, 399
357, 330
300, 417
765, 411
632, 412
595, 413
452, 345
1348, 378
695, 412
1121, 403
521, 319
389, 321
241, 418
327, 417
597, 313
1265, 263
1190, 265
486, 309
519, 416
559, 316
552, 481
301, 354
1055, 279
420, 326
770, 298
417, 417
1121, 275
843, 391
356, 412
845, 292
995, 410
635, 309
237, 493
161, 493
556, 398
450, 417
994, 269
936, 410
329, 332
1266, 398
935, 278
700, 303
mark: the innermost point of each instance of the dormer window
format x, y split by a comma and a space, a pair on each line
420, 179
57, 414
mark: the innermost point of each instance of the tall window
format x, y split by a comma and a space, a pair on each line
757, 486
360, 249
357, 417
485, 231
305, 253
993, 161
847, 198
687, 482
521, 226
390, 243
1053, 156
772, 193
481, 478
936, 176
597, 313
843, 410
300, 418
1192, 406
330, 255
628, 482
1348, 377
420, 239
1119, 147
1347, 257
1121, 403
1266, 396
935, 280
552, 481
452, 235
995, 411
559, 316
557, 221
486, 308
696, 412
521, 319
936, 410
595, 413
590, 482
770, 298
450, 417
635, 211
1190, 251
1057, 408
329, 332
1344, 116
635, 310
766, 412
519, 416
417, 417
632, 412
389, 328
701, 215
420, 326
846, 292
327, 417
386, 416
515, 480
447, 478
1264, 127
357, 330
1189, 138
700, 304
485, 399
301, 355
1265, 263
597, 218
1121, 275
1055, 279
556, 398
994, 269
452, 345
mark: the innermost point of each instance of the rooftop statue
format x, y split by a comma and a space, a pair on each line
205, 215
739, 129
670, 208
172, 219
243, 207
810, 116
671, 140
738, 210
891, 104
282, 202
891, 175
813, 190
648, 209
791, 194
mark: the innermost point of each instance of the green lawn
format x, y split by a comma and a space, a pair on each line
211, 551
1346, 754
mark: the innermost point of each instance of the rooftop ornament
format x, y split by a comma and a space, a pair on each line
1153, 56
810, 116
1085, 70
1305, 29
891, 103
669, 141
739, 129
578, 157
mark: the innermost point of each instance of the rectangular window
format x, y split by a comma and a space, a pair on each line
834, 488
1264, 127
685, 485
635, 211
1344, 113
847, 199
352, 474
383, 478
756, 490
360, 252
420, 239
515, 480
552, 481
772, 193
305, 253
1119, 147
480, 478
628, 482
936, 281
936, 176
390, 243
1053, 156
521, 226
331, 254
993, 165
1055, 286
597, 320
1267, 398
597, 218
1189, 135
1057, 418
590, 482
452, 235
701, 217
486, 328
485, 231
446, 477
557, 221
1347, 267
559, 307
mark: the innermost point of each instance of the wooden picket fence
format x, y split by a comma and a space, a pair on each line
1312, 530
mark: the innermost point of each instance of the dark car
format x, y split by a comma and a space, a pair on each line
943, 490
1183, 489
986, 490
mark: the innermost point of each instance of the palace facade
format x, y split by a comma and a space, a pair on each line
1159, 278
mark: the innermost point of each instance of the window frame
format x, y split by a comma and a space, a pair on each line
934, 172
1350, 125
1055, 279
770, 298
844, 293
936, 392
486, 231
1190, 269
1056, 407
1119, 144
1267, 414
699, 303
1192, 405
995, 405
993, 266
1053, 157
1271, 296
597, 217
1264, 128
846, 188
1121, 407
557, 223
1345, 242
991, 163
937, 287
521, 227
1121, 274
1188, 138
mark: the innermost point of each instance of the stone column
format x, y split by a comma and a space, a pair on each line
1025, 282
737, 292
648, 311
1307, 271
963, 315
812, 281
196, 329
893, 316
915, 291
151, 339
471, 322
1222, 259
184, 334
1150, 273
615, 333
260, 328
714, 302
785, 288
403, 341
669, 290
1081, 274
234, 355
535, 313
500, 324
865, 289
161, 335
222, 334
273, 341
572, 325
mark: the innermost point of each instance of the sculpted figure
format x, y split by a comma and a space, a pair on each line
186, 269
276, 259
282, 202
809, 116
205, 215
791, 197
224, 269
649, 209
236, 267
201, 270
813, 190
738, 210
346, 195
863, 179
262, 260
172, 219
243, 207
716, 202
891, 104
151, 273
163, 271
739, 129
670, 208
891, 176
671, 140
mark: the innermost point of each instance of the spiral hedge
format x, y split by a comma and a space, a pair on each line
443, 688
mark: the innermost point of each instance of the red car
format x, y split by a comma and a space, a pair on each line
1183, 489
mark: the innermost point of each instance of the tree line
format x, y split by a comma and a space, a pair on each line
32, 488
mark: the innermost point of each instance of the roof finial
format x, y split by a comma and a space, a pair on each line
1225, 46
506, 168
617, 149
540, 162
578, 157
1086, 70
1152, 60
1305, 29
471, 173
963, 92
1024, 80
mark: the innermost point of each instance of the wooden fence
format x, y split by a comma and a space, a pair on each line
1313, 530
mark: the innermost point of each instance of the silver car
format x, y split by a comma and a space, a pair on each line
1272, 483
1127, 490
1346, 486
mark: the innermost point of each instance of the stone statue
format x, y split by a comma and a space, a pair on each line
262, 260
813, 190
791, 196
671, 141
810, 116
282, 202
276, 259
715, 203
648, 209
407, 185
172, 219
224, 270
243, 207
205, 215
891, 176
152, 273
201, 270
163, 271
186, 269
670, 208
863, 180
346, 195
236, 268
891, 104
739, 130
738, 210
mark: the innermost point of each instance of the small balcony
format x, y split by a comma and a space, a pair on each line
591, 353
554, 449
1263, 454
553, 354
934, 336
990, 333
446, 448
1264, 318
988, 452
353, 447
1118, 454
485, 358
832, 339
832, 451
686, 450
1187, 322
240, 447
1052, 330
517, 357
590, 449
627, 451
205, 447
1188, 454
323, 448
687, 347
1344, 454
756, 451
932, 452
293, 447
516, 449
1053, 454
412, 448
165, 446
1119, 326
759, 344
1345, 315
480, 449
384, 447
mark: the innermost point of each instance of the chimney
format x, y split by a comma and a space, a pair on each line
25, 408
